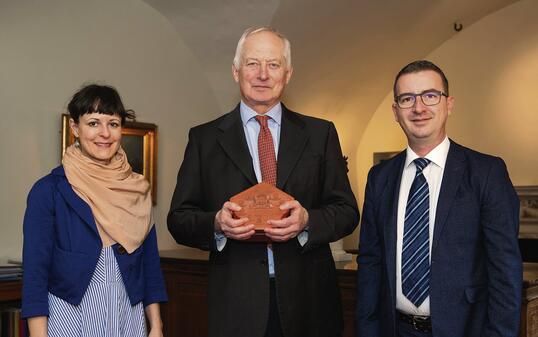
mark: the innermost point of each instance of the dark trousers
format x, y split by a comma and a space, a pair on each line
274, 329
406, 330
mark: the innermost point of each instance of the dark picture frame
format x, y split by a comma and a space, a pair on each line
139, 141
382, 156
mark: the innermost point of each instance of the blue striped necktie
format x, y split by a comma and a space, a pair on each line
416, 239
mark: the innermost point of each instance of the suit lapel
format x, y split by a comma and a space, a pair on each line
232, 140
293, 139
78, 205
390, 197
455, 164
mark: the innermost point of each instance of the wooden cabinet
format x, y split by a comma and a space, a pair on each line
10, 290
185, 274
348, 282
10, 313
529, 317
529, 309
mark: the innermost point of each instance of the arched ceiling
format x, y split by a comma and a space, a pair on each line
345, 52
343, 47
211, 28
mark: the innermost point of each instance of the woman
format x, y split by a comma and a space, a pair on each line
90, 255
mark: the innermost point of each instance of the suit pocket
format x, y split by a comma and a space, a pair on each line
66, 259
67, 270
476, 294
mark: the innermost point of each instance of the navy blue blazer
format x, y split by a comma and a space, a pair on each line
476, 269
62, 247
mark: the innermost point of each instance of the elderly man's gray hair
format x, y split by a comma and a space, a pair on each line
254, 30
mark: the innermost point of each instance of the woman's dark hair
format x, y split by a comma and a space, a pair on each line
101, 99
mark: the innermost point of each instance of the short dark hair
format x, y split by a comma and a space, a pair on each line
101, 99
421, 65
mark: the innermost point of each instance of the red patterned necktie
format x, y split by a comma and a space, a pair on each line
266, 152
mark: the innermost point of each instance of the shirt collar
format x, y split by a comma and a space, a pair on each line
275, 113
437, 155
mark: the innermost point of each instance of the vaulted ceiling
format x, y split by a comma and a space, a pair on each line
344, 47
345, 52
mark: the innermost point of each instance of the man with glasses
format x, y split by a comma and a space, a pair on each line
438, 252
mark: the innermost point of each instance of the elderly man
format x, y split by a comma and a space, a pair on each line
438, 252
286, 287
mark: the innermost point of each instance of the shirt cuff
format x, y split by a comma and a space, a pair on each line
303, 237
220, 241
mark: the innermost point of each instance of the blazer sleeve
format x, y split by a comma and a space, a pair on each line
338, 214
154, 288
369, 271
38, 232
500, 223
188, 223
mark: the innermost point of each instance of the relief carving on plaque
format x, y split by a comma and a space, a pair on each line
260, 203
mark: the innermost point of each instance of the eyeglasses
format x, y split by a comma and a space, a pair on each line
428, 97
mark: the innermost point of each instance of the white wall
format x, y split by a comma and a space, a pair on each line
49, 49
492, 68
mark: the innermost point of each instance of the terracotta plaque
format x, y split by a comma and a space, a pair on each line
259, 204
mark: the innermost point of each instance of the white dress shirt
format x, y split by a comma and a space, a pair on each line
434, 175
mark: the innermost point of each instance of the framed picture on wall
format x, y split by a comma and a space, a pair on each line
381, 156
139, 141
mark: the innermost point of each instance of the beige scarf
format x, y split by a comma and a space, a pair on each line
119, 198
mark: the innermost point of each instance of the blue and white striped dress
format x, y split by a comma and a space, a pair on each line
105, 310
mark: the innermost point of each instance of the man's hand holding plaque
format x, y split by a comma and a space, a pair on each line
261, 213
288, 227
237, 229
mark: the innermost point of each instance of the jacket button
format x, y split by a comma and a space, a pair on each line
121, 250
263, 262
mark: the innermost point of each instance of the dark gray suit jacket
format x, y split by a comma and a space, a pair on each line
218, 165
476, 270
